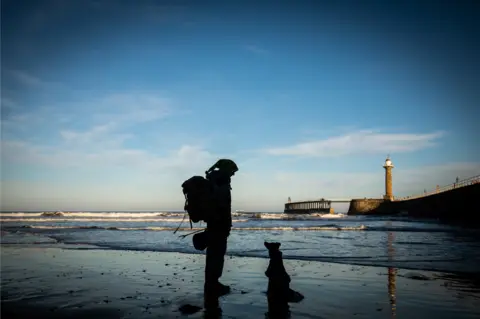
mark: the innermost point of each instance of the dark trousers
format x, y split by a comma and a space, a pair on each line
216, 249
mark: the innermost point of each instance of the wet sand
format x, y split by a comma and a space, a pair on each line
46, 282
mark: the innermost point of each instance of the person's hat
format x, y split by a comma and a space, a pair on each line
225, 165
200, 241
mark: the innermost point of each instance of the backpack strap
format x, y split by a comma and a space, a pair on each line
180, 223
186, 203
186, 213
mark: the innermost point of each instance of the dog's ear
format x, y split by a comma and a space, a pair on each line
267, 244
276, 245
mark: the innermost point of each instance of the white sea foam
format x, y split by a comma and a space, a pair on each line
91, 214
284, 228
134, 220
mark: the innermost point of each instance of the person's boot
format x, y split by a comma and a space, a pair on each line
222, 289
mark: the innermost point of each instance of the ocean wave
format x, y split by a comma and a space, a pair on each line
59, 219
167, 228
92, 214
149, 216
135, 220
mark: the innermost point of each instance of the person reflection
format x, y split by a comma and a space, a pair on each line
213, 313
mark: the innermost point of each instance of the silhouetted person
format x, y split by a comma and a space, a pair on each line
219, 224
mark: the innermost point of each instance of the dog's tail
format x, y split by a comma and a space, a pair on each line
294, 296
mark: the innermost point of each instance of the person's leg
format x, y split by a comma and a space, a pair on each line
215, 258
214, 268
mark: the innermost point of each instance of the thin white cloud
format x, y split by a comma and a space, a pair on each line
119, 112
134, 108
26, 78
256, 50
99, 136
8, 103
30, 81
111, 116
361, 142
22, 122
106, 154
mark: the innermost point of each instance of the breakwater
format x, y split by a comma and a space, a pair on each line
458, 205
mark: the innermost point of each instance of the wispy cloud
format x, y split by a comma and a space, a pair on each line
31, 81
14, 122
8, 103
7, 107
99, 136
256, 50
111, 114
134, 108
102, 142
26, 78
118, 114
185, 157
361, 142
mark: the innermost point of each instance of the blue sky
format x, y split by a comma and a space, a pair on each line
113, 104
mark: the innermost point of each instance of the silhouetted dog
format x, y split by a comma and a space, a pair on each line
279, 293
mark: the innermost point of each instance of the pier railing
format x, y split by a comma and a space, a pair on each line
441, 189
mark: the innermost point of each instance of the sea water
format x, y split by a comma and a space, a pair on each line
360, 240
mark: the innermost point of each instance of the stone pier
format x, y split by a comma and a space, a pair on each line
308, 207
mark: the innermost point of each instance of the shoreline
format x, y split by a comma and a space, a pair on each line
60, 282
353, 261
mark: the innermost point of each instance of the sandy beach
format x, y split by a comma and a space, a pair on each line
62, 282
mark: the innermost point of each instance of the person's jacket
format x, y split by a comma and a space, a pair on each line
223, 200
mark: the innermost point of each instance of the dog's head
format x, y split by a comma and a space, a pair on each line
272, 247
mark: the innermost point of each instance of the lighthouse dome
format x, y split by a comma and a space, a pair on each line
388, 162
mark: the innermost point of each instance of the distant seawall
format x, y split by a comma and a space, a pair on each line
460, 205
365, 206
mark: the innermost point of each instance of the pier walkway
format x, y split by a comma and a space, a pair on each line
441, 189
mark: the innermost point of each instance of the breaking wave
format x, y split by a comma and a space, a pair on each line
93, 214
161, 214
285, 228
135, 220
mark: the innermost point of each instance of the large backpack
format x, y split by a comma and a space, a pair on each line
199, 201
